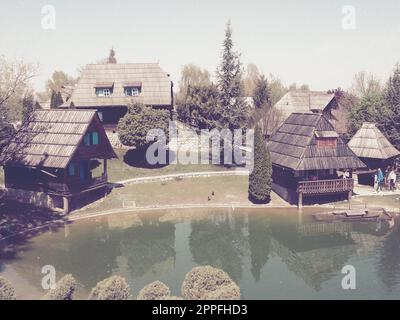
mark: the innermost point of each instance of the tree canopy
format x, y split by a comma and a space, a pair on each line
138, 121
233, 109
260, 182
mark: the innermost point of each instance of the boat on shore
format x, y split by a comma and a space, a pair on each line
353, 215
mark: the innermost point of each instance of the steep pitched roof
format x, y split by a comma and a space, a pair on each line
294, 145
304, 101
369, 142
155, 84
50, 139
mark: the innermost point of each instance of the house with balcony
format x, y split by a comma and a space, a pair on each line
109, 88
56, 157
309, 157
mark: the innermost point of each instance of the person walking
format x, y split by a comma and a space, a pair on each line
392, 180
380, 179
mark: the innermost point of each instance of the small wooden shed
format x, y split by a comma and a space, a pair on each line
374, 149
53, 156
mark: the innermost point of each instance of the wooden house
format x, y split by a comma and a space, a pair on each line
372, 147
54, 158
110, 88
304, 101
307, 155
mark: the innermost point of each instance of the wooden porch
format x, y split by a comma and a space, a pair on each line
324, 187
71, 188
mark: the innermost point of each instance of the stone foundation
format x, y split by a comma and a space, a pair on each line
38, 199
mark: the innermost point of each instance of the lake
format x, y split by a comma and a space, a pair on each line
270, 253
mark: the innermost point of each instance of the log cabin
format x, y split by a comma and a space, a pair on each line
307, 155
55, 157
374, 149
109, 88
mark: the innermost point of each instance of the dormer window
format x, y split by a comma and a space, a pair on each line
104, 89
132, 89
103, 92
326, 139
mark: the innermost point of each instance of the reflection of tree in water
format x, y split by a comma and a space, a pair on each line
219, 242
389, 263
89, 256
147, 246
260, 244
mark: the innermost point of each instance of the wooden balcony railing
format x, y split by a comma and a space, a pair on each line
77, 186
325, 186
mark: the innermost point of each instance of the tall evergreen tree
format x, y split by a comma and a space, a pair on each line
234, 111
392, 98
56, 99
261, 92
260, 181
28, 106
111, 56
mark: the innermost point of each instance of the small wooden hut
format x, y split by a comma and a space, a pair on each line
307, 155
372, 147
54, 157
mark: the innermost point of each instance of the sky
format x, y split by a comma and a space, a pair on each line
316, 42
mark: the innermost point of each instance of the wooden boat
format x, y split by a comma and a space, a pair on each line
353, 215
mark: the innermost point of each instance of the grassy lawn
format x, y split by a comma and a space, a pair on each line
230, 189
122, 169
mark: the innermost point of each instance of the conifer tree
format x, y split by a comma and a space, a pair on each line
233, 110
260, 182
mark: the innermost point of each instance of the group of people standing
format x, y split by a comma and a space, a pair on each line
389, 178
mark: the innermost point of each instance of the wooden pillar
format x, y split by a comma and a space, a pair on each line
105, 167
65, 205
300, 204
349, 198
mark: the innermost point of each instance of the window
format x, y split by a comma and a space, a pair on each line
71, 169
86, 139
132, 91
95, 138
103, 92
326, 142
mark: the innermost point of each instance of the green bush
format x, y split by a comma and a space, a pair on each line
112, 288
154, 291
138, 121
209, 283
7, 291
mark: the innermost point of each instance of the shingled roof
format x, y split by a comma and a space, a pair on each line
294, 145
369, 142
156, 86
50, 139
304, 101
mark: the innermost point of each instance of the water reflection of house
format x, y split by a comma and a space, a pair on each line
316, 252
307, 154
